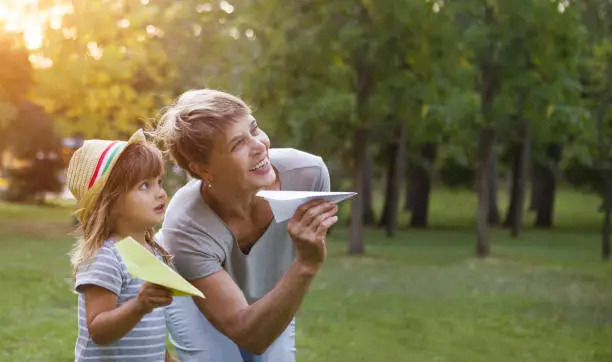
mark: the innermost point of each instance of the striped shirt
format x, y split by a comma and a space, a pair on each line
146, 342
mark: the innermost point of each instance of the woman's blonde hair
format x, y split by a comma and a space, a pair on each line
186, 129
139, 161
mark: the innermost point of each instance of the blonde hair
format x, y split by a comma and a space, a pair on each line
139, 161
187, 128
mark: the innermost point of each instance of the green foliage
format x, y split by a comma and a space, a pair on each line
31, 182
456, 175
15, 69
307, 75
15, 78
32, 140
108, 72
590, 153
584, 176
115, 64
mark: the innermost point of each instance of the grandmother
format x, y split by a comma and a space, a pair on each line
253, 270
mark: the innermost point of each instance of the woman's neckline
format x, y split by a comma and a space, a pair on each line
216, 216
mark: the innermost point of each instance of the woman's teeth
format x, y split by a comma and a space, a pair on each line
261, 164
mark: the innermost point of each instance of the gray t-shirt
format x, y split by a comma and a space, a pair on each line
201, 244
146, 341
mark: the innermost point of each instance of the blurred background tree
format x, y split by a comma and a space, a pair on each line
399, 97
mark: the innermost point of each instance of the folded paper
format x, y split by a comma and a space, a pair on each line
285, 203
144, 265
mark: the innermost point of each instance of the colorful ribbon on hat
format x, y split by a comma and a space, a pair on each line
106, 158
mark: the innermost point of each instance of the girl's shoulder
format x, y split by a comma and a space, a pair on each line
108, 244
104, 269
106, 253
108, 249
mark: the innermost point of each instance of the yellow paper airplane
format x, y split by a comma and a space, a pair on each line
144, 265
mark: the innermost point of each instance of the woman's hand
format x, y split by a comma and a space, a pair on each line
152, 296
308, 229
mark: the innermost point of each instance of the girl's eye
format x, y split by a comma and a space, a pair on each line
144, 186
255, 129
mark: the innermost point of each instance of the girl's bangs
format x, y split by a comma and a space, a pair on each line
138, 162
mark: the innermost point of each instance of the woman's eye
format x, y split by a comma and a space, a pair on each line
237, 144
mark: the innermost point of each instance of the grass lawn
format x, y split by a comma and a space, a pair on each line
420, 296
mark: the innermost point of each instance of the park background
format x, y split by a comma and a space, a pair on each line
476, 132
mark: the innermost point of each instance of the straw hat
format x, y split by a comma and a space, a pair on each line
90, 167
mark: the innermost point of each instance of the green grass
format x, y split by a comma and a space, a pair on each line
420, 296
423, 297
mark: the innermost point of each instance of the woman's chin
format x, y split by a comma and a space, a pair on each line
263, 181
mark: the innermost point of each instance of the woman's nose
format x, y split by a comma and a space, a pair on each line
258, 144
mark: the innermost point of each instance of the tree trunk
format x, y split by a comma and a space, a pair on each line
535, 190
409, 197
368, 208
546, 198
515, 174
604, 149
517, 223
488, 88
397, 161
363, 87
605, 237
493, 217
547, 187
421, 181
355, 245
485, 151
391, 174
521, 155
400, 162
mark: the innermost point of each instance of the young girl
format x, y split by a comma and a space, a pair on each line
119, 193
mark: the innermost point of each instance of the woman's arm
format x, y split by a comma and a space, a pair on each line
255, 327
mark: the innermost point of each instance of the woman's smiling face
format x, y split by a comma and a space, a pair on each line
239, 157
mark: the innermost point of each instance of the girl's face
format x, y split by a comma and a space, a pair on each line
143, 206
239, 159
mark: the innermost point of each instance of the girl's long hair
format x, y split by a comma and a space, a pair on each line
138, 162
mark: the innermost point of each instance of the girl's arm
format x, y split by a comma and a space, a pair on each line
107, 323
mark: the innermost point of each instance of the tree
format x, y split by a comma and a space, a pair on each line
208, 44
33, 141
544, 81
107, 68
596, 75
321, 93
416, 76
15, 79
506, 42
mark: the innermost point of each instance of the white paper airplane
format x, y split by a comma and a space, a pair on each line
284, 203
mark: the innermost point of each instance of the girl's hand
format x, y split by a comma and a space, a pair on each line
152, 296
169, 358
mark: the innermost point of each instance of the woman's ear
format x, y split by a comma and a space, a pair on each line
200, 170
